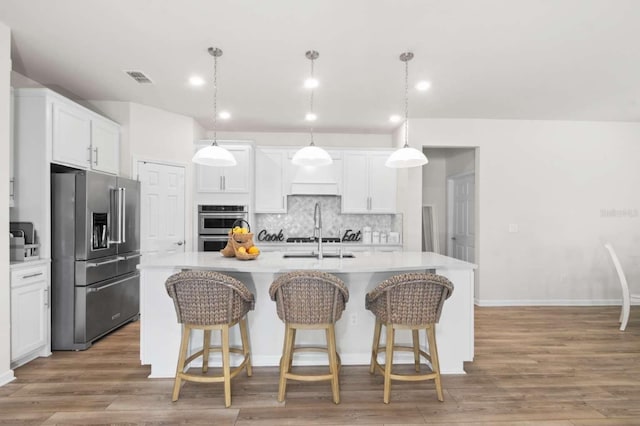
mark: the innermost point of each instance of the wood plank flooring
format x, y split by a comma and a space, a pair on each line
554, 366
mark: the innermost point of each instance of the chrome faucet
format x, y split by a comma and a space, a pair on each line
317, 227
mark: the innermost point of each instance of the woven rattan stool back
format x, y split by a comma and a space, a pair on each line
309, 297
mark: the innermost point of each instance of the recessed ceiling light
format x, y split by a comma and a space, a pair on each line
224, 115
310, 117
311, 83
196, 80
395, 118
423, 85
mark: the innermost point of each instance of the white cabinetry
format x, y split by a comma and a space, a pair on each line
321, 180
68, 133
71, 143
105, 146
271, 171
30, 312
233, 179
11, 159
368, 185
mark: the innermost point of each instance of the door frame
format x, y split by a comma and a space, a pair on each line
450, 196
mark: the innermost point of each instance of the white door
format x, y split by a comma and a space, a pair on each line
461, 217
162, 225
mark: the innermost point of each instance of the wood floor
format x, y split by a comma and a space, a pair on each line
556, 366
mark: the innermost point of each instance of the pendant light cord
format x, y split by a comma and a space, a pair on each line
406, 103
311, 103
215, 99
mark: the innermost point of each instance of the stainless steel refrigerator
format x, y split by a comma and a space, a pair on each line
95, 251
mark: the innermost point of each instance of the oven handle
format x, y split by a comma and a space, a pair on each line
214, 237
224, 214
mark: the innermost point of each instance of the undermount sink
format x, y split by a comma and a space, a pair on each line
315, 255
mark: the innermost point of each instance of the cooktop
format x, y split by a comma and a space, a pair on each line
312, 240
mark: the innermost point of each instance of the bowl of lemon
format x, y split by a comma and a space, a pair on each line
250, 253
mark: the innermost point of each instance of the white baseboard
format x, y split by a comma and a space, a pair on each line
6, 377
550, 302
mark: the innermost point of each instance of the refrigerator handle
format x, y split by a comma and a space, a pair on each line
117, 206
123, 214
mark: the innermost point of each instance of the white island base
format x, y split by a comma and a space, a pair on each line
160, 333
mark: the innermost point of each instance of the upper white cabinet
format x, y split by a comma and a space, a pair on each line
105, 146
30, 312
74, 135
271, 170
235, 179
368, 185
71, 143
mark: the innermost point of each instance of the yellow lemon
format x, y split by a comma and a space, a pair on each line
242, 250
236, 230
244, 231
253, 250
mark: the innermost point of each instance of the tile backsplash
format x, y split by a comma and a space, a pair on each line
298, 221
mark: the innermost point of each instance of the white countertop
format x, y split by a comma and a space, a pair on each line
273, 262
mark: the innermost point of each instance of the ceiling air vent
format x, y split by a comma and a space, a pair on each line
140, 77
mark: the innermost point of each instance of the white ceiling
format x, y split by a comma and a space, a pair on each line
503, 59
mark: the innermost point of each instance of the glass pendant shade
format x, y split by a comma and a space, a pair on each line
214, 155
406, 157
311, 156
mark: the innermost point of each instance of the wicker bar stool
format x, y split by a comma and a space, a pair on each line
206, 300
309, 300
408, 301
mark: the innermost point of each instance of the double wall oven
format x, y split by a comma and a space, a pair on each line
214, 223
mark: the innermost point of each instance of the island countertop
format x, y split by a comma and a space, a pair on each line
274, 262
160, 332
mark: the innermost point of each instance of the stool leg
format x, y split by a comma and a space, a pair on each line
246, 350
182, 356
225, 365
435, 363
285, 362
205, 350
416, 349
376, 343
333, 363
388, 362
293, 347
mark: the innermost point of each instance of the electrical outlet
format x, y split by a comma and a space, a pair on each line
353, 319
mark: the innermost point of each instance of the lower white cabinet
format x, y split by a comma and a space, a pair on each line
30, 312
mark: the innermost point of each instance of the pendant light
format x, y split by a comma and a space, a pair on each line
214, 155
406, 156
311, 155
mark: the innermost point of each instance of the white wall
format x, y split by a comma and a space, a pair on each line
6, 374
302, 139
555, 180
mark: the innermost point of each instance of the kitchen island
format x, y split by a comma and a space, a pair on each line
160, 332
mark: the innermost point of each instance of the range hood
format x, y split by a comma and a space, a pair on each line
321, 180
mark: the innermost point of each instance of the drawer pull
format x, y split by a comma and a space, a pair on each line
32, 275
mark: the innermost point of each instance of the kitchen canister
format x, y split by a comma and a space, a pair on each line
366, 235
375, 237
394, 238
